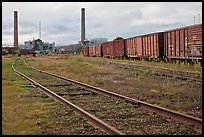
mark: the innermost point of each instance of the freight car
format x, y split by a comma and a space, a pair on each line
95, 51
134, 47
152, 45
183, 43
119, 48
20, 52
86, 51
107, 49
145, 46
24, 51
98, 50
92, 51
114, 49
9, 50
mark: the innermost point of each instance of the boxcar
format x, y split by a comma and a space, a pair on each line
86, 51
184, 42
92, 51
107, 49
114, 48
119, 48
24, 51
134, 47
98, 50
153, 45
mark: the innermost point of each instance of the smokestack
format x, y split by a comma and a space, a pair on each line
82, 25
15, 29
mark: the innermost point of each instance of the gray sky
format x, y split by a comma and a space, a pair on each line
60, 21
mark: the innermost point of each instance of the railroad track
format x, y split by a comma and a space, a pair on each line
183, 75
95, 121
183, 118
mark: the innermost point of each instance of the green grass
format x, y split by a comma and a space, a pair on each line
21, 115
194, 66
137, 72
135, 82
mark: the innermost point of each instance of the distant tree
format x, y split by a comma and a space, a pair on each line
118, 38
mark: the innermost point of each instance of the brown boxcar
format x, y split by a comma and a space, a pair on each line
24, 51
98, 51
114, 48
92, 51
153, 45
134, 47
184, 42
119, 48
107, 49
86, 51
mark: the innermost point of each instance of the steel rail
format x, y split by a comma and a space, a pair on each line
95, 121
170, 114
195, 73
156, 72
139, 65
178, 77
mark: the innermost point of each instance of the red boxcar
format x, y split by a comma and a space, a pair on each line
98, 50
107, 49
119, 48
24, 51
184, 42
92, 51
153, 45
134, 47
114, 48
86, 51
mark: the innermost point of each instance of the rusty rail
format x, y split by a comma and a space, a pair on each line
156, 72
170, 114
95, 121
178, 77
139, 65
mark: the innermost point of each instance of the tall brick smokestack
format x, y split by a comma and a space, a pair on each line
82, 25
15, 29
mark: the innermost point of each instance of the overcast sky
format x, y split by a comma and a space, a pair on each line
60, 22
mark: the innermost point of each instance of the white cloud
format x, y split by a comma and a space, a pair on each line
60, 21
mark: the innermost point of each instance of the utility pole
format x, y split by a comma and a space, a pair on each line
40, 29
198, 18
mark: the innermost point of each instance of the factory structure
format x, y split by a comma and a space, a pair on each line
36, 45
77, 48
39, 46
84, 40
